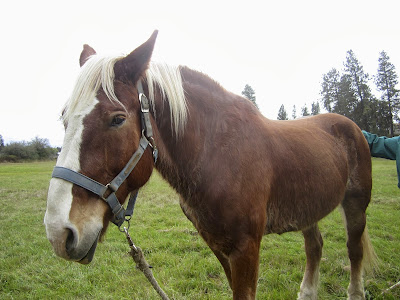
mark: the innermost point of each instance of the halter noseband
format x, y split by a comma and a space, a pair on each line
108, 192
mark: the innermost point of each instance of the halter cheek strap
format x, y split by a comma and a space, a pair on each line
119, 213
108, 192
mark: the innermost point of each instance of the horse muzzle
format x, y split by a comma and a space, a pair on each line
70, 244
81, 249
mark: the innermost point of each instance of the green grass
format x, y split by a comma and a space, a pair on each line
182, 263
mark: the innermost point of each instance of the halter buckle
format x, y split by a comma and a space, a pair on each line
144, 103
107, 192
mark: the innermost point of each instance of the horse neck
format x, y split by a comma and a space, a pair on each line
181, 156
216, 119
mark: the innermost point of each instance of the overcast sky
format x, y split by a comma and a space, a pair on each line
280, 48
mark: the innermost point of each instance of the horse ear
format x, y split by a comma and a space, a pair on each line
131, 67
86, 53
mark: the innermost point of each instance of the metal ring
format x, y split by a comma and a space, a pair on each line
123, 228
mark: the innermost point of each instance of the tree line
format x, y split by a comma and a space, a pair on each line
349, 93
36, 149
315, 110
250, 94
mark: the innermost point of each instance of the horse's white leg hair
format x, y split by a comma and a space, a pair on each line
313, 247
355, 290
309, 285
356, 286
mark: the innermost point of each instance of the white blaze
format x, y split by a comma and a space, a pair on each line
59, 198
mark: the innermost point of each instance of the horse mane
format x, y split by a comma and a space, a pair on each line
169, 80
98, 71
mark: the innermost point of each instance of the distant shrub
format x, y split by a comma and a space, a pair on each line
37, 149
8, 158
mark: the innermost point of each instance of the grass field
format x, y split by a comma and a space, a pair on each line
182, 263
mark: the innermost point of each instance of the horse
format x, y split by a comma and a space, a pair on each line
239, 175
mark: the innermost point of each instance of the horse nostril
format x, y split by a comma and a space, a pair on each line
70, 242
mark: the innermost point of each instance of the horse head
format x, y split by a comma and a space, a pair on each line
103, 129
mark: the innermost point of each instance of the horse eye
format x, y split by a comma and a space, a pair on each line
118, 120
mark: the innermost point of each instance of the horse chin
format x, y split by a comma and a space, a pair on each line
89, 256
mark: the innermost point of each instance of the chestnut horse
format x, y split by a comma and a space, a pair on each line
239, 175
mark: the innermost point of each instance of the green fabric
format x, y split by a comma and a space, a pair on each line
384, 147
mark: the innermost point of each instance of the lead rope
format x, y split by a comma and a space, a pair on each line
143, 266
391, 288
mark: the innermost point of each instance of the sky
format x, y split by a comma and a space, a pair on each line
280, 48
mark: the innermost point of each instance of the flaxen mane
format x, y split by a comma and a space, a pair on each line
98, 72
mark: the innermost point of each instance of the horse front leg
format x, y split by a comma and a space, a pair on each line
244, 262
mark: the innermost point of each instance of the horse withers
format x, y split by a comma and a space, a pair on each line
239, 175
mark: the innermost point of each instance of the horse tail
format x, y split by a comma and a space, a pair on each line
370, 259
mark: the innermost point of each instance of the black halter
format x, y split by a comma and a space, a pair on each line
120, 214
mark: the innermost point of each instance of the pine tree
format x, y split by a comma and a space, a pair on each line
250, 94
346, 102
330, 89
359, 86
337, 94
315, 109
304, 111
386, 81
294, 112
282, 115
